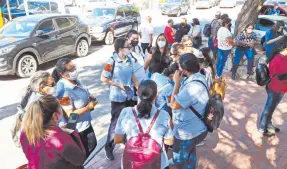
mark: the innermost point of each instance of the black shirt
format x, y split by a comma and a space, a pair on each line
159, 62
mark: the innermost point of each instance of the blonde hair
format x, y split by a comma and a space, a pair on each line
37, 120
178, 48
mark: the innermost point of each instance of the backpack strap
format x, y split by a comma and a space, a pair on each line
151, 124
192, 108
113, 67
153, 120
137, 120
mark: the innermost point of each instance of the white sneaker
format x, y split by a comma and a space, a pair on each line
200, 144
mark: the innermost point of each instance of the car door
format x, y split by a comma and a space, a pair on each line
47, 44
68, 32
128, 19
120, 25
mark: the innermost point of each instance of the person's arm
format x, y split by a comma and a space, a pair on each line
168, 137
274, 40
177, 78
148, 60
240, 41
134, 79
120, 128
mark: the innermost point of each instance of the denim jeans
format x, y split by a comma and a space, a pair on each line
273, 99
184, 152
250, 57
210, 45
222, 58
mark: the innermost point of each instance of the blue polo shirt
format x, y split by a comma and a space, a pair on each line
164, 88
269, 36
122, 74
79, 98
186, 124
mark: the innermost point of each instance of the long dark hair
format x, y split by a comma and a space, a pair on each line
208, 61
171, 69
147, 92
275, 28
165, 52
280, 45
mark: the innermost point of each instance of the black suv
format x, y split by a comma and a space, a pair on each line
112, 20
29, 41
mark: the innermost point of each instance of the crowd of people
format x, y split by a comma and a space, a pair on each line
151, 88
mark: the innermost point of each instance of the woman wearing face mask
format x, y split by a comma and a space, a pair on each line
158, 58
187, 41
225, 44
119, 75
75, 98
41, 83
196, 33
277, 87
246, 42
273, 35
45, 145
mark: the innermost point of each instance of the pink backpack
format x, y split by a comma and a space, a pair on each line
141, 151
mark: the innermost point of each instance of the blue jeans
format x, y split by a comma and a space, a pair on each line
184, 152
210, 45
222, 58
250, 57
273, 99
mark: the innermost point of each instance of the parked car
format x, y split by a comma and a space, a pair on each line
267, 7
205, 4
34, 7
265, 22
112, 20
175, 7
227, 3
29, 41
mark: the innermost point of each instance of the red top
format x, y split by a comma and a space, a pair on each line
169, 34
278, 66
58, 151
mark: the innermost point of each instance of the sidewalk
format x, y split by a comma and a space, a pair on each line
237, 144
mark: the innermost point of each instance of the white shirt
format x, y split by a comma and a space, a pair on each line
138, 64
161, 129
146, 29
222, 35
196, 52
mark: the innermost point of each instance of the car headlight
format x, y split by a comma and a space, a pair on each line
97, 29
6, 50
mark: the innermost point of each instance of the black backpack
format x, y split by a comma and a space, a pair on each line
214, 111
262, 75
207, 29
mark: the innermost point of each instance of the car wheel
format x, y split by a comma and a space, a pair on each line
82, 48
26, 66
109, 39
135, 27
178, 13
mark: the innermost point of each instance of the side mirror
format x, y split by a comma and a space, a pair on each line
119, 17
39, 33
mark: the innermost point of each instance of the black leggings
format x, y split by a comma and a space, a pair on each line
89, 140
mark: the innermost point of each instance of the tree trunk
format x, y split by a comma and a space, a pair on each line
248, 15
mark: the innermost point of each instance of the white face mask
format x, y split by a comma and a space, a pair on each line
161, 44
280, 30
52, 91
249, 31
74, 75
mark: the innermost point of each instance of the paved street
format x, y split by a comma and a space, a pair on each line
236, 145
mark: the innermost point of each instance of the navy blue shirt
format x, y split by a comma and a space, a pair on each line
181, 30
269, 36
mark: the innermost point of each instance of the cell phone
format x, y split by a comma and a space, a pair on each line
72, 121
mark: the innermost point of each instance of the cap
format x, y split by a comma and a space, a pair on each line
170, 21
218, 13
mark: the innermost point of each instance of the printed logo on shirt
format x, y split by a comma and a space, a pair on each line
108, 67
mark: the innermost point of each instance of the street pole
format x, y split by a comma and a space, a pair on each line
26, 7
8, 8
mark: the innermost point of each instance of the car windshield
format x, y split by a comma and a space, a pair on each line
103, 12
173, 1
35, 5
18, 28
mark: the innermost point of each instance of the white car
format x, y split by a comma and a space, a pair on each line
203, 4
227, 3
